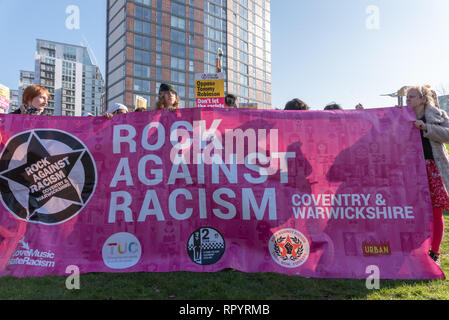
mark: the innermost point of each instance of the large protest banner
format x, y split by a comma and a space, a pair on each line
315, 193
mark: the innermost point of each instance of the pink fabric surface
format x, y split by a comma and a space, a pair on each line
331, 193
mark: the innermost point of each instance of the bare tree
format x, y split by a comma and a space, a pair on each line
442, 89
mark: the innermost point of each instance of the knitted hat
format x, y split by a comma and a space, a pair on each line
117, 106
166, 87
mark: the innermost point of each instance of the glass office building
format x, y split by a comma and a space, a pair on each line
154, 41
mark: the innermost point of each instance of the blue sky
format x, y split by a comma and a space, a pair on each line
322, 50
24, 21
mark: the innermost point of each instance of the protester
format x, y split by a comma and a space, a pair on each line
359, 106
333, 106
230, 101
433, 124
168, 98
296, 104
35, 99
140, 109
115, 109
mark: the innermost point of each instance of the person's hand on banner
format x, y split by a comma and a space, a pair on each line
420, 125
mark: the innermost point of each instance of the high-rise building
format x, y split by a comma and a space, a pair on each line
14, 100
26, 78
154, 41
74, 82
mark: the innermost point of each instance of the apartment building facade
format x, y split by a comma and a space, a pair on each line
74, 82
154, 41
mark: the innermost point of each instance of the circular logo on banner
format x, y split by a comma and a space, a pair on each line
46, 176
121, 250
289, 248
205, 246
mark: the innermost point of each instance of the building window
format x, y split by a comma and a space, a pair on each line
141, 71
69, 53
178, 63
243, 80
244, 57
178, 36
145, 2
141, 85
143, 13
178, 9
178, 77
178, 23
243, 68
142, 42
142, 56
142, 27
178, 49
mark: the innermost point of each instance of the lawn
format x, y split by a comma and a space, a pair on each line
224, 285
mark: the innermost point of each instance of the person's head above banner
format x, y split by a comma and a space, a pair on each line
117, 108
296, 104
168, 97
35, 99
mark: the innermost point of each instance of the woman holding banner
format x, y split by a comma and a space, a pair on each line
35, 99
168, 98
116, 109
433, 124
296, 104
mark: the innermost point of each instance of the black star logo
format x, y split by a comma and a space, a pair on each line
45, 175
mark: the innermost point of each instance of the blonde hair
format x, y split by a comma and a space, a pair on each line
160, 104
429, 95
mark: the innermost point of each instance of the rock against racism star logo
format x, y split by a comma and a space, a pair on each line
46, 176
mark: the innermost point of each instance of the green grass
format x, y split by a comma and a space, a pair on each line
227, 285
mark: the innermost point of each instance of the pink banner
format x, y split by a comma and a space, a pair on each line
316, 193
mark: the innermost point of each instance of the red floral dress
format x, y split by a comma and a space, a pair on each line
438, 193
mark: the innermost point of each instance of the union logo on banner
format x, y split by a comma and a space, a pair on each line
373, 248
289, 248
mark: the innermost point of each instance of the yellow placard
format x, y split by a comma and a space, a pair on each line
140, 103
252, 105
4, 92
209, 89
4, 98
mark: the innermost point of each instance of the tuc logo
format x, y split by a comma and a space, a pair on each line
121, 250
46, 176
372, 248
